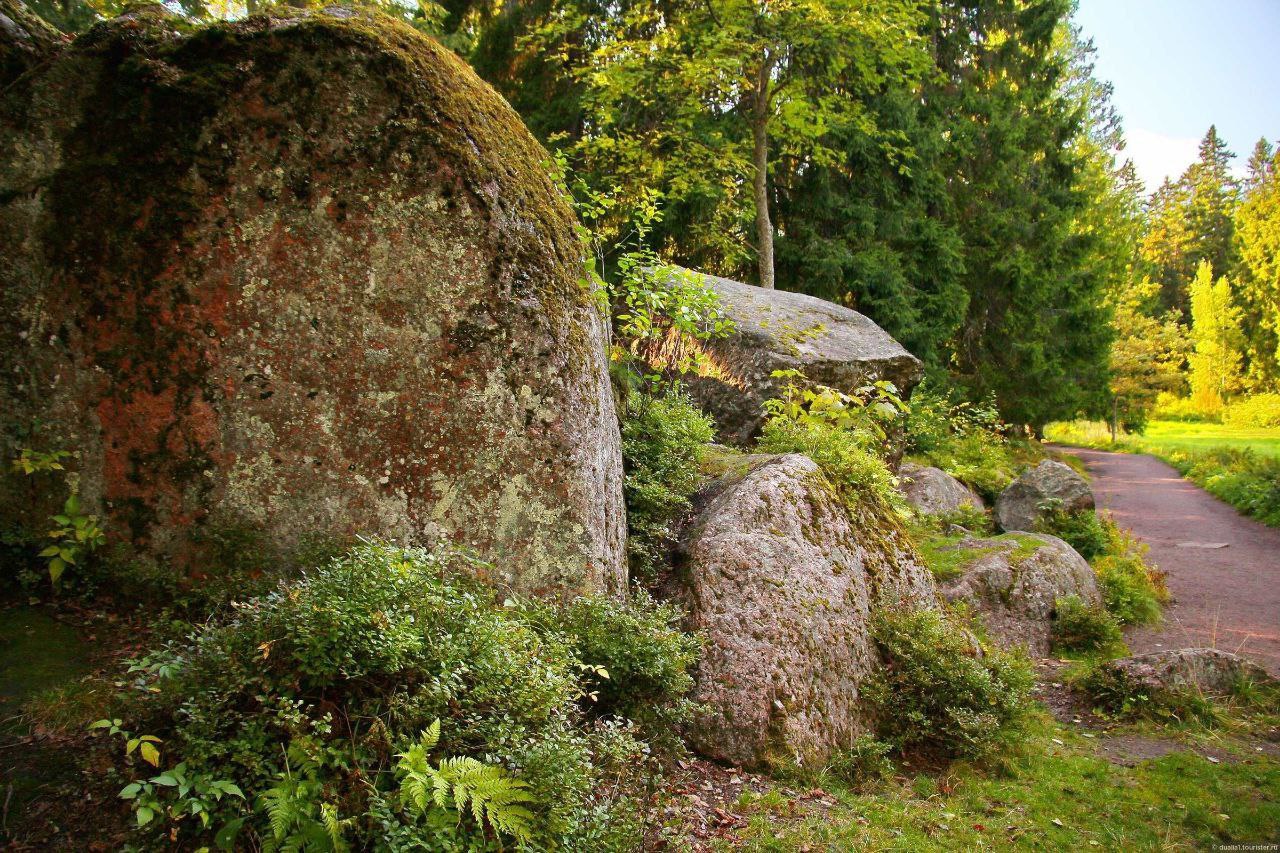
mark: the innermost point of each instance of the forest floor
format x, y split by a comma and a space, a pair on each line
1223, 568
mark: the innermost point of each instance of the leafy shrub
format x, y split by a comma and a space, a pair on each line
636, 661
1077, 627
1113, 693
1242, 478
1259, 411
1173, 408
865, 762
1132, 589
663, 437
1082, 530
940, 690
388, 699
845, 456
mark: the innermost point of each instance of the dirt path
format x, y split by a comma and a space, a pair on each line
1227, 597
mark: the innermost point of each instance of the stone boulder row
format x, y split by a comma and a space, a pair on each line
1049, 484
1212, 672
781, 583
1014, 581
933, 491
301, 275
778, 330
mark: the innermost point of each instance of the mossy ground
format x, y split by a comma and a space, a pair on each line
1059, 793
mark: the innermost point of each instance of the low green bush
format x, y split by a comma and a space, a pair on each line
1114, 694
1258, 411
636, 660
663, 438
1132, 589
941, 691
1082, 530
1242, 478
864, 763
1078, 627
965, 439
388, 700
847, 457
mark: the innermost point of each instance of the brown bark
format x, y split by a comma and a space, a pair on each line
760, 159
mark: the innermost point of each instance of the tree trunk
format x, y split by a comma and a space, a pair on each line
760, 159
1115, 418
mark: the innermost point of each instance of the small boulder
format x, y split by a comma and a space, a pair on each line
1014, 581
1209, 671
933, 491
778, 330
1049, 484
782, 583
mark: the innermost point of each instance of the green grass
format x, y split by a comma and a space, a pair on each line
1058, 795
1164, 437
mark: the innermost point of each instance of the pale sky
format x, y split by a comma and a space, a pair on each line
1179, 66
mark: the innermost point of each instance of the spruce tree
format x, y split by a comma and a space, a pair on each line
1258, 243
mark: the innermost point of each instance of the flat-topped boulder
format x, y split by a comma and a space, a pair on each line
778, 330
933, 491
301, 275
781, 582
1014, 582
1048, 487
1212, 672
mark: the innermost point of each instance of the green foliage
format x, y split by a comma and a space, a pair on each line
462, 784
1116, 694
1258, 411
939, 691
866, 762
848, 458
1132, 589
636, 662
75, 534
1242, 478
1216, 358
663, 438
1082, 530
876, 408
313, 701
649, 298
965, 439
1079, 627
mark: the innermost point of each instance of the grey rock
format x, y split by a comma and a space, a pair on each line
779, 330
1014, 580
933, 491
1209, 671
377, 332
1050, 483
781, 581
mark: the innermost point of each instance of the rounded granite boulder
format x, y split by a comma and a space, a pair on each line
301, 276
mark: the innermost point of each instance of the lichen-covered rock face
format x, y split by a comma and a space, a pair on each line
1014, 582
933, 491
1049, 484
782, 583
1212, 672
777, 330
302, 275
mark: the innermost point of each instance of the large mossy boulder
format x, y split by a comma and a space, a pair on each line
301, 276
1014, 582
782, 582
933, 491
775, 330
1048, 487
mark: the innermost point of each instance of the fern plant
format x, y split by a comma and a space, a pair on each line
300, 818
494, 797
